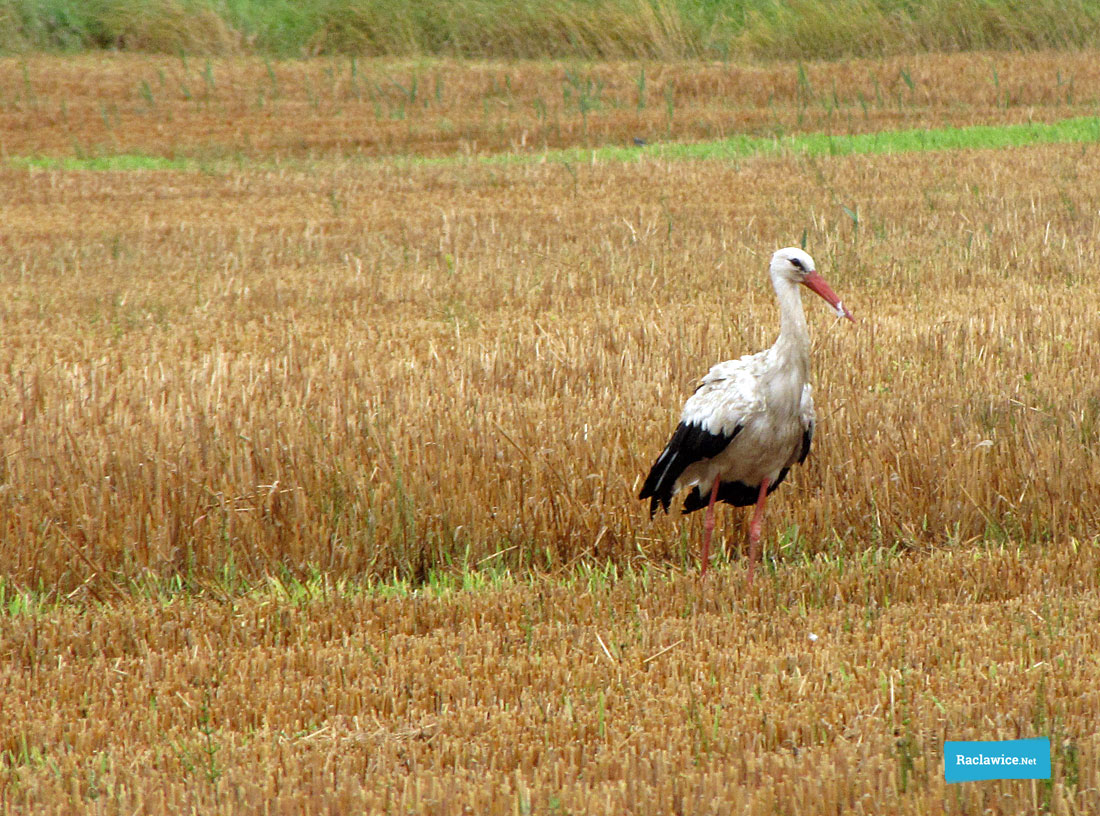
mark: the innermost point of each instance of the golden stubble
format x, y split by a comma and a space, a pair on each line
225, 108
216, 384
826, 689
377, 371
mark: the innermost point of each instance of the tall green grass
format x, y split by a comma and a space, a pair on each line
758, 29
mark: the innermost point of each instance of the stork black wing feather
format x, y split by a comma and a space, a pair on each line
690, 443
807, 438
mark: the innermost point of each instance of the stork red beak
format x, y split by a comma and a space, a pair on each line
815, 283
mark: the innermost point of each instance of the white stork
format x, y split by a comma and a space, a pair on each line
749, 420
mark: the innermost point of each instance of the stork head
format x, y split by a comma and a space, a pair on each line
794, 265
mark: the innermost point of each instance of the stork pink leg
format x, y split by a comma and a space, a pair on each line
708, 527
754, 527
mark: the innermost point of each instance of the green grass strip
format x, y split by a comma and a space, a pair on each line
119, 161
1082, 130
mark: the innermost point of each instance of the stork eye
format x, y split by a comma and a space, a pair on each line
797, 264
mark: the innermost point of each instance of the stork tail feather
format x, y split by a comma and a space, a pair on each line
738, 494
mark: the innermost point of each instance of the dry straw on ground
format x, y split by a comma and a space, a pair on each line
645, 696
217, 378
369, 370
255, 109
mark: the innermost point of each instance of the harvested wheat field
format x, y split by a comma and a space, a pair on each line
318, 467
226, 109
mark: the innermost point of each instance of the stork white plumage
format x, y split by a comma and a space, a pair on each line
750, 420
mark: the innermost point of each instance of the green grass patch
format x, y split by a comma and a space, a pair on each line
1084, 130
120, 161
975, 137
1081, 130
315, 585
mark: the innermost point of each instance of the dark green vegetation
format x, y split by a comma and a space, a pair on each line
665, 29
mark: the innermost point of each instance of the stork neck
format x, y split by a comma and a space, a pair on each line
792, 318
794, 335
